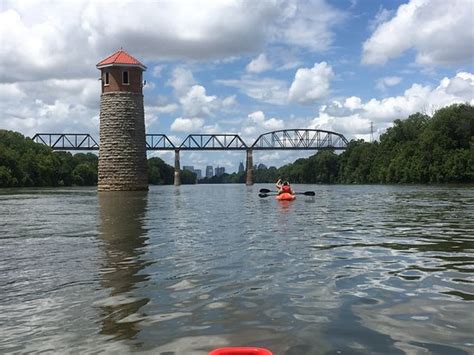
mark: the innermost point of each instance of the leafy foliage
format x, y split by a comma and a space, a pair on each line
159, 173
419, 149
26, 163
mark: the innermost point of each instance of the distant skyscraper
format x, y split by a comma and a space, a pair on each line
189, 168
241, 168
220, 171
209, 171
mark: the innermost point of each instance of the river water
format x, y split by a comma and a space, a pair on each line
355, 269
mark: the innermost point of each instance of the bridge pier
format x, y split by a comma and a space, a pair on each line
249, 168
177, 174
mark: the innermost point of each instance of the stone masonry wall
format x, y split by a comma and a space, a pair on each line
122, 152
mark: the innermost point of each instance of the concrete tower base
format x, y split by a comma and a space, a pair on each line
122, 152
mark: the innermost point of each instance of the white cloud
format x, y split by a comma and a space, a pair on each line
176, 140
352, 117
157, 69
229, 101
381, 16
160, 105
183, 29
180, 29
311, 85
259, 64
307, 24
268, 90
38, 45
256, 124
287, 65
167, 108
11, 92
353, 103
196, 103
50, 106
211, 129
189, 125
181, 80
439, 31
152, 112
388, 81
67, 39
193, 98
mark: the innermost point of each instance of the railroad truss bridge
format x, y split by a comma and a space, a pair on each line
288, 139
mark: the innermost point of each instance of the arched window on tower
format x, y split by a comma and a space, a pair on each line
106, 78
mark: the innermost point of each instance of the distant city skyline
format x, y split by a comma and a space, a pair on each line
210, 169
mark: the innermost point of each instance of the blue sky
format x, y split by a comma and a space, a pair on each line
241, 67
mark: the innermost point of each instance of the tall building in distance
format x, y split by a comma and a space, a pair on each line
188, 168
220, 171
209, 171
241, 168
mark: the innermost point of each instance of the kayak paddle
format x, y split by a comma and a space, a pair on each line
307, 193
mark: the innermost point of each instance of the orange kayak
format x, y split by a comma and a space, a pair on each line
285, 196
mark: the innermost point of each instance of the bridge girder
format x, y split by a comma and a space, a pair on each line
288, 139
213, 142
300, 139
159, 142
67, 141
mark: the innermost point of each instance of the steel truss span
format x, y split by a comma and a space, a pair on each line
300, 139
67, 141
288, 139
213, 142
159, 142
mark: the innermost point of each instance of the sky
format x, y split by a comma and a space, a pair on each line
242, 67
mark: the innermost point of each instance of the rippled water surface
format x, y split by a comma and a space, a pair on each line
356, 269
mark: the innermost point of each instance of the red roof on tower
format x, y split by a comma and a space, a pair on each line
120, 58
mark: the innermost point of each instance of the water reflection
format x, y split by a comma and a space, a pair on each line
122, 231
285, 206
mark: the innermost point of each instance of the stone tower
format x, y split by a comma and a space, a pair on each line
122, 152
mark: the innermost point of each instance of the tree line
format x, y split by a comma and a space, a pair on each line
24, 163
419, 149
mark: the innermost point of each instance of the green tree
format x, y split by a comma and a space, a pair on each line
84, 175
160, 173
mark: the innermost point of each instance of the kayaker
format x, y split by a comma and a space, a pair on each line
284, 187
